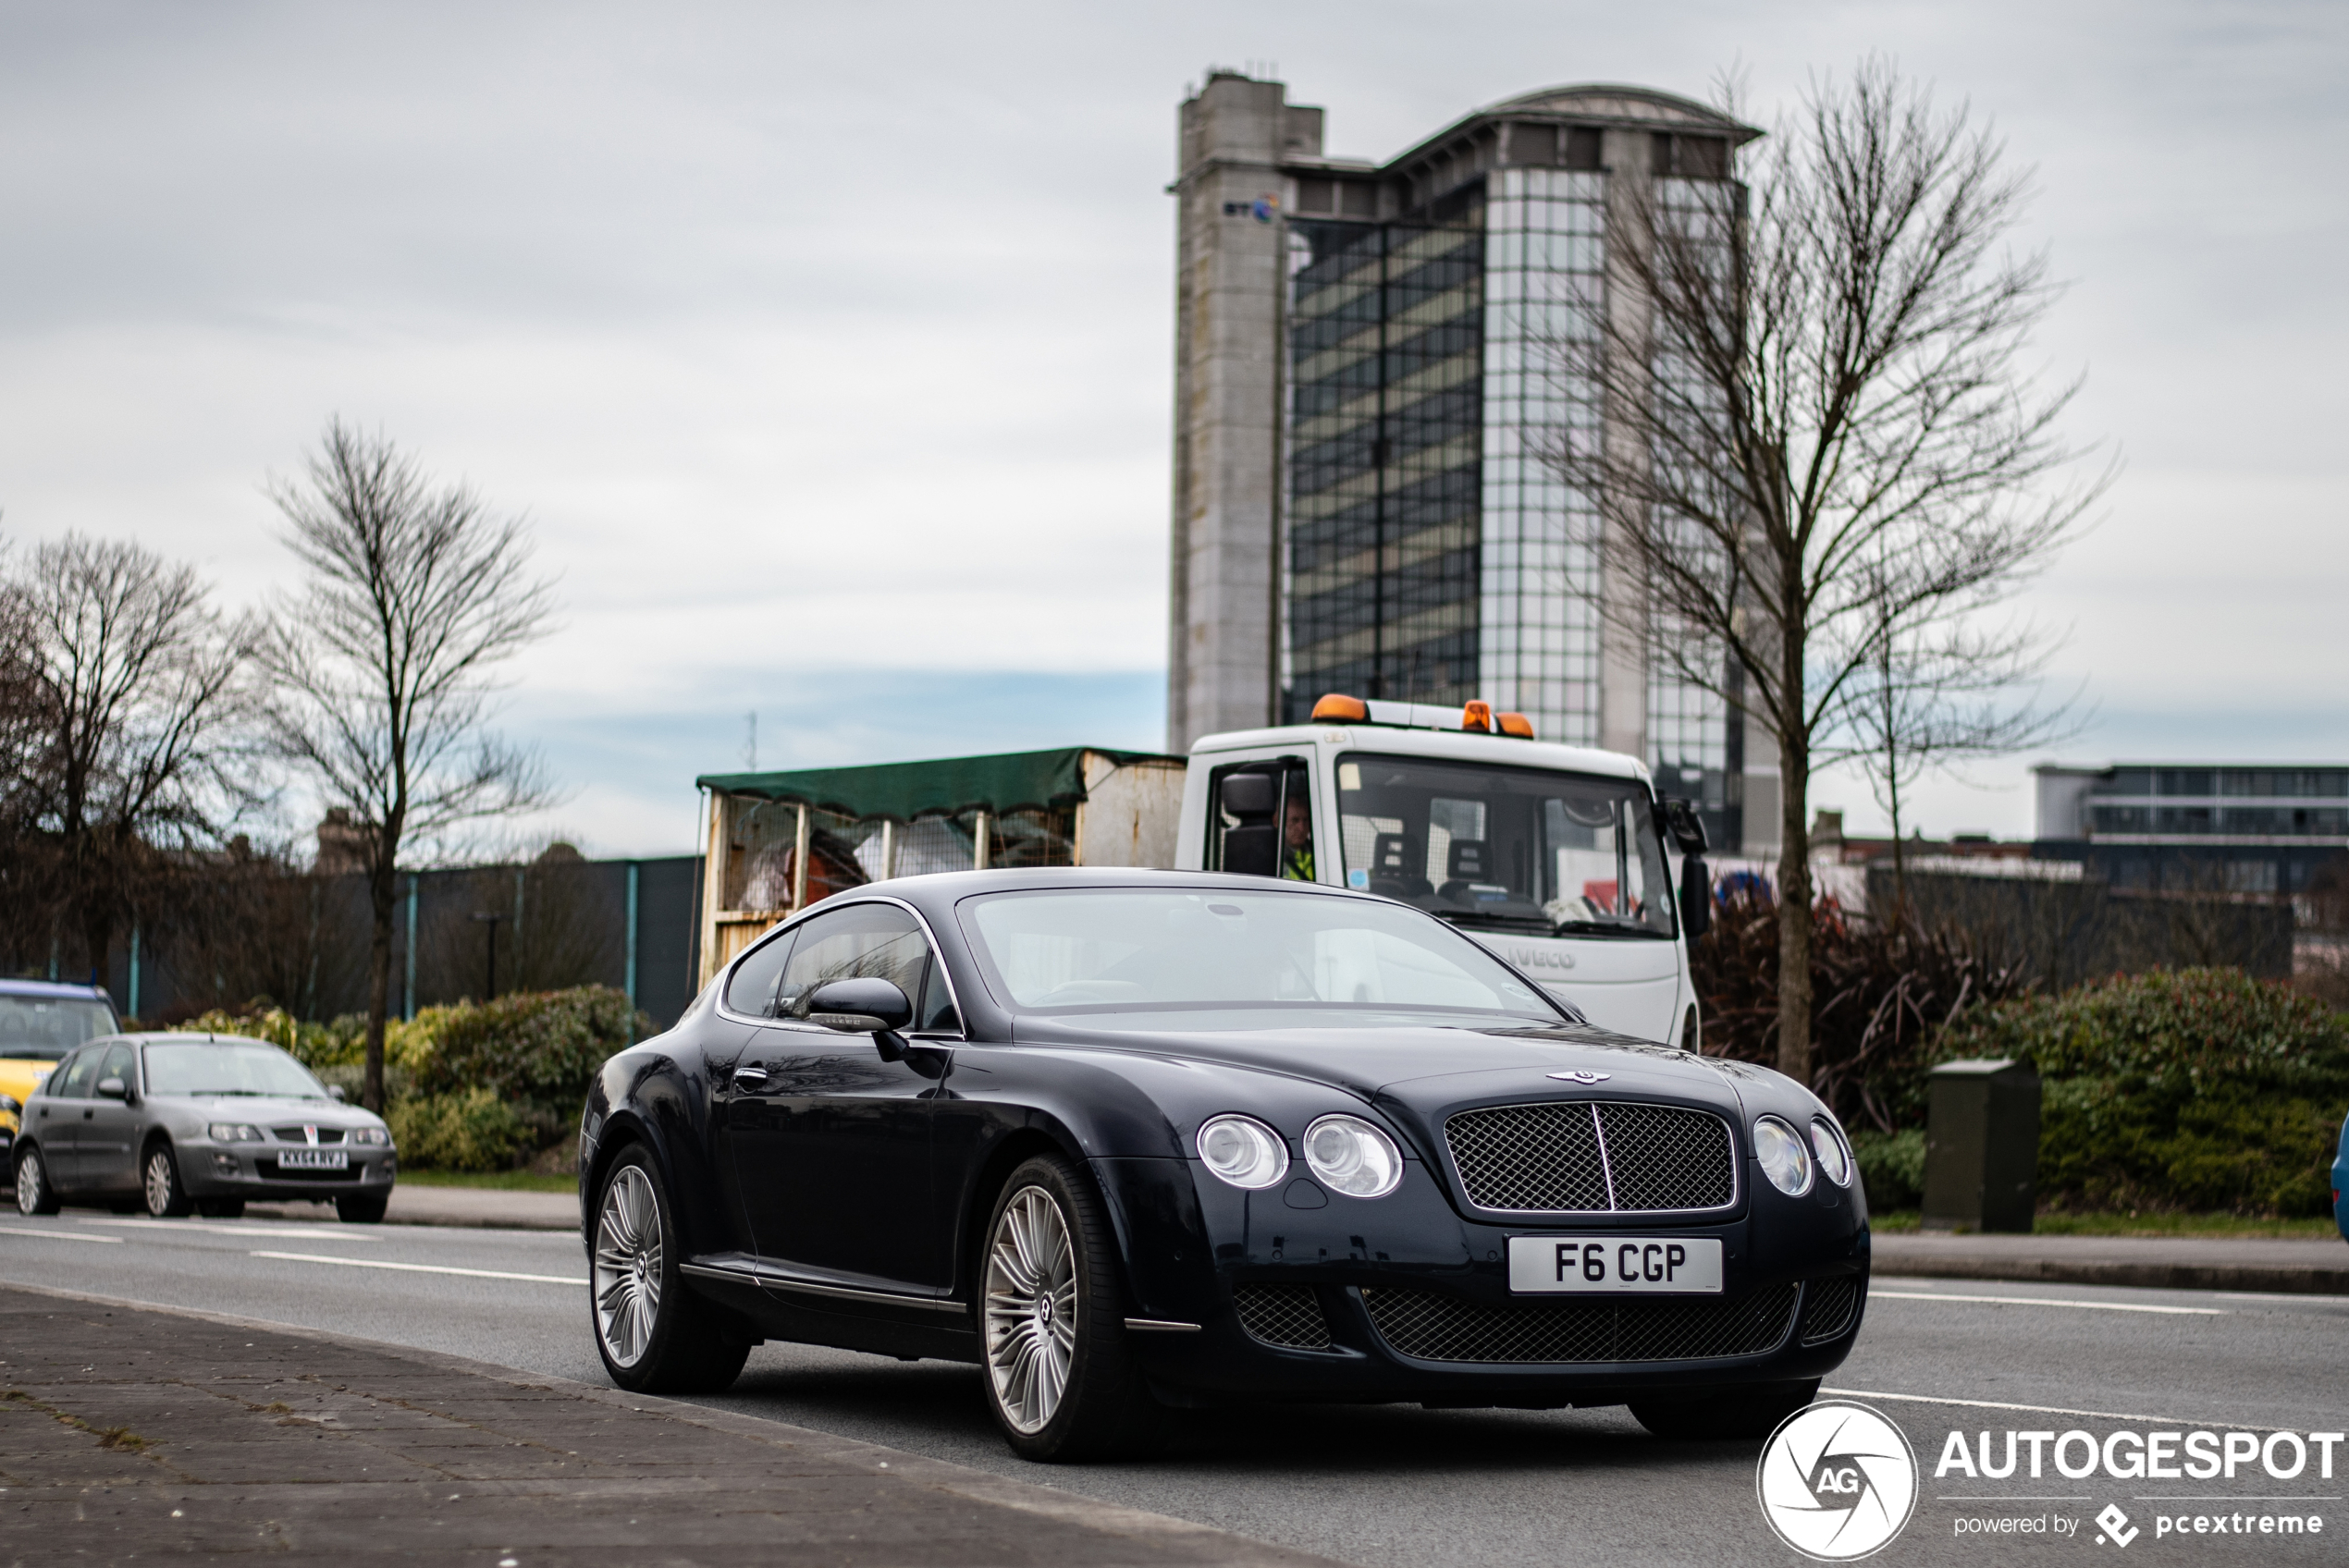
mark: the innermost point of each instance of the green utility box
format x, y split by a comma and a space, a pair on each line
1982, 1147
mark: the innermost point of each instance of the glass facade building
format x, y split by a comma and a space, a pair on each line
2246, 827
1384, 465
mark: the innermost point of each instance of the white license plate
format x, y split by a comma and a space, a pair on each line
1614, 1265
312, 1159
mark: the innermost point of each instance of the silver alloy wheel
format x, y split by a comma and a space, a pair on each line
1031, 1308
628, 1266
159, 1183
28, 1183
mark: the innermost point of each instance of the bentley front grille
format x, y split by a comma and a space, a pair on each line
1593, 1156
1287, 1316
1832, 1305
1428, 1325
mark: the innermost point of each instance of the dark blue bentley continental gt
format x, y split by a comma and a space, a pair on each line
1133, 1140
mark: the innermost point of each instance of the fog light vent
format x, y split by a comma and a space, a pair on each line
1828, 1307
1287, 1316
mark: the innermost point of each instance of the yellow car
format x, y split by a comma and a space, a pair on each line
40, 1021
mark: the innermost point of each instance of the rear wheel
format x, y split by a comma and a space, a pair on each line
1060, 1376
34, 1195
166, 1198
1750, 1412
654, 1334
359, 1208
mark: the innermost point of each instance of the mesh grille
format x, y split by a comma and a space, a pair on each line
1283, 1315
1541, 1157
302, 1135
1548, 1158
1833, 1303
1663, 1157
1439, 1328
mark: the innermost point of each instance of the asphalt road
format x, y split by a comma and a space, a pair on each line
1393, 1485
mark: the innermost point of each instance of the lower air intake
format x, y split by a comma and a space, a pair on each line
1430, 1327
1830, 1306
1287, 1316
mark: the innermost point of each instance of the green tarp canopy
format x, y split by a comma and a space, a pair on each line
1011, 782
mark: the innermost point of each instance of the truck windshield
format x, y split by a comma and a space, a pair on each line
44, 1028
1515, 849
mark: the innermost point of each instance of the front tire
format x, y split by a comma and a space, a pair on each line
654, 1335
357, 1209
34, 1194
1061, 1378
1753, 1412
167, 1196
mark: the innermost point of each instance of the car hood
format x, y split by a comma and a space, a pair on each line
1427, 1067
270, 1113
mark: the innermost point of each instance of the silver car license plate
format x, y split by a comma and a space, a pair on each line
1614, 1265
312, 1159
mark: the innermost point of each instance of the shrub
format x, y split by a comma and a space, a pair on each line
537, 1051
1881, 992
1891, 1169
471, 1130
2177, 1089
342, 1043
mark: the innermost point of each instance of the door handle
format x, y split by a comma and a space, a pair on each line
90, 1112
749, 1077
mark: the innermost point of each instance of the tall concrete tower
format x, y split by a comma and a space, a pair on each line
1365, 376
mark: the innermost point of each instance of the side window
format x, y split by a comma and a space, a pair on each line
937, 1010
863, 941
117, 1064
73, 1079
750, 989
1260, 820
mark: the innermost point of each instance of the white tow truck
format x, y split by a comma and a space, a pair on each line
1553, 856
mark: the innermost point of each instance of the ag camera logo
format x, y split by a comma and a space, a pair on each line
1837, 1481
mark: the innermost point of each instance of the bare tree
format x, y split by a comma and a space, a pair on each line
135, 688
383, 664
1812, 420
1933, 694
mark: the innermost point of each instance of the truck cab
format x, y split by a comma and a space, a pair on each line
1552, 856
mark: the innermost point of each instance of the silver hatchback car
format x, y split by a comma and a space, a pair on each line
197, 1123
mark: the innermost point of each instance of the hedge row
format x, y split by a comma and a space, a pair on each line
475, 1086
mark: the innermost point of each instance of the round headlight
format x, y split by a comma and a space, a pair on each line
1784, 1160
1353, 1156
1245, 1153
1834, 1159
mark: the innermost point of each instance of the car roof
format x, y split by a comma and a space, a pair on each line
59, 990
938, 893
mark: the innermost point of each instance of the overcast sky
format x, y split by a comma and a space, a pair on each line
829, 347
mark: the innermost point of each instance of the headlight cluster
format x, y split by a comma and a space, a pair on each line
1245, 1153
1784, 1159
234, 1133
1835, 1158
1348, 1154
375, 1136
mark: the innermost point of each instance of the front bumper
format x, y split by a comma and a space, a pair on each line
1793, 1296
251, 1170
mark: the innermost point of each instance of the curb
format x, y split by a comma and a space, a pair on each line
2269, 1281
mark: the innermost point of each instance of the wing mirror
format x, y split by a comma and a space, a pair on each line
8, 1106
113, 1089
865, 1006
334, 1092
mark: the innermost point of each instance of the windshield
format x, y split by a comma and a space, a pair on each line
1515, 849
44, 1028
209, 1067
1126, 950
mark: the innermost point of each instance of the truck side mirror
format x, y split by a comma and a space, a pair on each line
1696, 898
1681, 820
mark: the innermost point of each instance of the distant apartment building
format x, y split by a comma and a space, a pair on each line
1366, 375
2241, 827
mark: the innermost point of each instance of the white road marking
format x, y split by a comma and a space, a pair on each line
2055, 1410
58, 1236
2051, 1300
313, 1233
416, 1268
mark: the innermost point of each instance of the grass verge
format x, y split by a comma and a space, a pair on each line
2211, 1225
492, 1180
